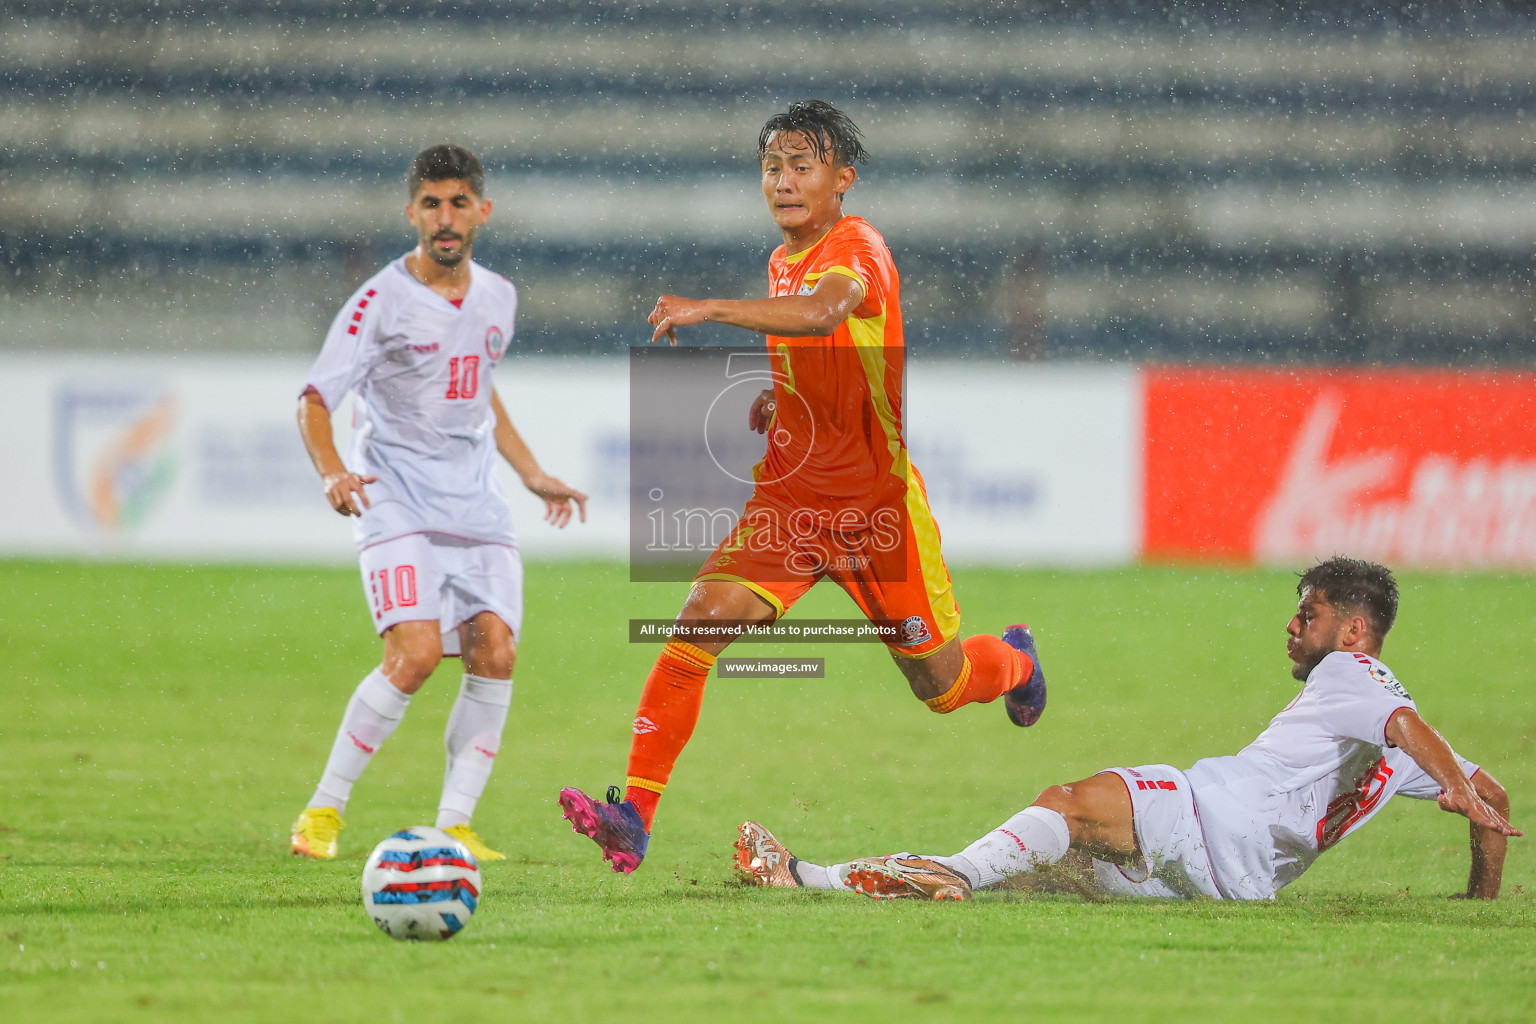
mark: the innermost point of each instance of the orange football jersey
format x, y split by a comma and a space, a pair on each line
837, 440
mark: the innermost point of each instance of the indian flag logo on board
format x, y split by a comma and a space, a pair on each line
112, 451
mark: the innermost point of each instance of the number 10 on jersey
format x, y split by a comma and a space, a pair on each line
463, 376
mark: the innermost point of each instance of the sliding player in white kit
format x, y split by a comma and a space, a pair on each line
416, 345
1239, 827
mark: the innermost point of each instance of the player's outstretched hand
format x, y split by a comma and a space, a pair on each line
345, 492
672, 312
558, 499
1471, 806
762, 412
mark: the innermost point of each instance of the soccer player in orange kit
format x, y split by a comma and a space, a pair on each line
834, 496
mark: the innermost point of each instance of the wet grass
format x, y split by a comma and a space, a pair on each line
161, 726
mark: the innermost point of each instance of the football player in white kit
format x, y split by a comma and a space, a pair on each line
1238, 827
416, 346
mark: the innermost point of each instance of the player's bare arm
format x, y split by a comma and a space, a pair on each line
1488, 845
1480, 799
558, 496
1419, 740
789, 316
343, 488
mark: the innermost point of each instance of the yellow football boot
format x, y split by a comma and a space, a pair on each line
466, 835
314, 834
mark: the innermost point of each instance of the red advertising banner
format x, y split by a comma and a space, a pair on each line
1422, 468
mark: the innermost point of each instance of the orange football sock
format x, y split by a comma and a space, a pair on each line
669, 709
991, 669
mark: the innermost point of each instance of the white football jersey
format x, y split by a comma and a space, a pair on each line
420, 370
1319, 771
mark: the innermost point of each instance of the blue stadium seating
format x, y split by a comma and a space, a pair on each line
1268, 182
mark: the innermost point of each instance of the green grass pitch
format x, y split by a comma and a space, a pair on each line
161, 726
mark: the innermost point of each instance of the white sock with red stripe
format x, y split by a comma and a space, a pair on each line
472, 739
373, 712
833, 877
1034, 836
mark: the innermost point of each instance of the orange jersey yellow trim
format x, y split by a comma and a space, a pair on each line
838, 440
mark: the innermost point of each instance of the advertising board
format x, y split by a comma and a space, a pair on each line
1411, 468
115, 456
200, 458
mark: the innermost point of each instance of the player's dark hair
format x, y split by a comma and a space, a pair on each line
1357, 587
446, 162
828, 129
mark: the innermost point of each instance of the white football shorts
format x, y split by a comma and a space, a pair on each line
425, 576
1173, 848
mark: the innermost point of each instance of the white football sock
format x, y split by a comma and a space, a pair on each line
472, 739
815, 876
373, 712
1034, 836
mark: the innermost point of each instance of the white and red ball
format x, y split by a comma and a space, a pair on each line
421, 883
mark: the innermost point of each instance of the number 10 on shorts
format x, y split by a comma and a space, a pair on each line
391, 587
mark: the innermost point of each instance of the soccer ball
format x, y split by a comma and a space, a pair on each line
421, 883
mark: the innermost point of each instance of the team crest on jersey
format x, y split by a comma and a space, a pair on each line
1384, 676
495, 341
806, 289
913, 631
